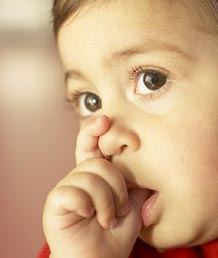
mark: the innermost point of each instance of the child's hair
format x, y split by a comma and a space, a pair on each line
206, 10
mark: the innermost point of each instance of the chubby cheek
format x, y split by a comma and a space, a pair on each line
192, 161
196, 147
184, 152
187, 166
194, 175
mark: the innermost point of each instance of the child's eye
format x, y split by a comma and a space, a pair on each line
149, 82
90, 101
86, 103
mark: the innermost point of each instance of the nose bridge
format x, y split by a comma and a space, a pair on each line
119, 138
122, 135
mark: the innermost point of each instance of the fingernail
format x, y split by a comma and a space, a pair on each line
102, 120
99, 119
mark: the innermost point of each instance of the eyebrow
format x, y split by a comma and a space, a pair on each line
150, 46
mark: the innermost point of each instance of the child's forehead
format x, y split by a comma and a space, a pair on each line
100, 34
197, 11
102, 30
129, 22
128, 14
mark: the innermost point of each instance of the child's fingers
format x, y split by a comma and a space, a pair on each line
113, 177
99, 192
66, 205
87, 140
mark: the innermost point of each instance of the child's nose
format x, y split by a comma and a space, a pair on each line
118, 139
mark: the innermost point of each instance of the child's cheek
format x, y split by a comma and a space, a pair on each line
194, 173
187, 176
187, 153
198, 146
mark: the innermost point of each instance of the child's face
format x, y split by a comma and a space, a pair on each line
164, 113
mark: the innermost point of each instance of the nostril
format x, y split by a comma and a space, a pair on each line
118, 140
108, 157
123, 147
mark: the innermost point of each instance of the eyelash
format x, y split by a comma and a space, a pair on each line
135, 72
72, 98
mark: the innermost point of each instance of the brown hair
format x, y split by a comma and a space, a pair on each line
63, 9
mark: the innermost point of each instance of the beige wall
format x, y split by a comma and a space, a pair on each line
37, 133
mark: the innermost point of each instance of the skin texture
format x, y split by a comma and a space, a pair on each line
136, 142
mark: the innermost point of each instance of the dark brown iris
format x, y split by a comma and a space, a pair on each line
92, 102
154, 80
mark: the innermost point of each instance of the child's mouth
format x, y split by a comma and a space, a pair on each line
149, 211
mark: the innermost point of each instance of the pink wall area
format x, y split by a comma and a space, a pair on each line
37, 134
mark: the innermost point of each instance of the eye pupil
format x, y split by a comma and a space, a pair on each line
154, 80
92, 102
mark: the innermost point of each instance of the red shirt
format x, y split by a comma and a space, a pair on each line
141, 250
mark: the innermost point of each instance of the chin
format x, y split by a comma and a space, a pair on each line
174, 238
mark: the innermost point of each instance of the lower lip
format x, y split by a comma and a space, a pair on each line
149, 210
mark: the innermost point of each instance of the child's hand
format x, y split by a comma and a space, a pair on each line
87, 140
91, 213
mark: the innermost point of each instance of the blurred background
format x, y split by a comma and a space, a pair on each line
37, 130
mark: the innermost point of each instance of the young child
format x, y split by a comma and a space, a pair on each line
142, 75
